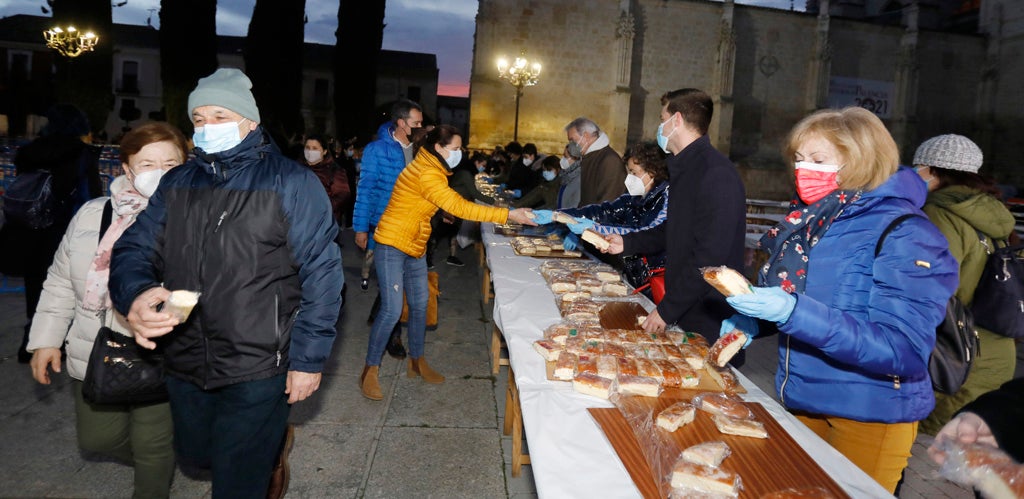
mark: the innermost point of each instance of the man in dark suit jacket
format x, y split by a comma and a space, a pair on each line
602, 174
706, 219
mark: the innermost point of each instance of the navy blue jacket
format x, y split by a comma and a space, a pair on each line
253, 232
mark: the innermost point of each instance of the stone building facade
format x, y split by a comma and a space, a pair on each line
611, 60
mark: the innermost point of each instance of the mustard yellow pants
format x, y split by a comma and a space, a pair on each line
880, 449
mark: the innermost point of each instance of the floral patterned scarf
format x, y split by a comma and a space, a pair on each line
127, 203
789, 243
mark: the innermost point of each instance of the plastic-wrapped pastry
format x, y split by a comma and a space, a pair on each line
724, 377
648, 368
726, 347
607, 366
693, 355
655, 339
590, 285
680, 338
565, 366
560, 284
635, 351
708, 453
615, 289
727, 281
547, 349
721, 404
620, 336
558, 332
705, 479
572, 253
741, 427
689, 377
800, 493
592, 384
676, 415
586, 364
636, 385
573, 296
672, 352
562, 218
608, 275
581, 305
627, 366
613, 349
576, 344
988, 469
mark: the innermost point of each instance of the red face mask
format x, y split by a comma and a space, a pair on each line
815, 181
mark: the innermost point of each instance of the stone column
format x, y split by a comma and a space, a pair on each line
625, 29
904, 106
820, 63
988, 87
720, 130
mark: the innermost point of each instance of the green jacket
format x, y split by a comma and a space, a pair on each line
958, 211
542, 197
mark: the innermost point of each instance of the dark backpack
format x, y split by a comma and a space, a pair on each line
30, 200
956, 340
998, 303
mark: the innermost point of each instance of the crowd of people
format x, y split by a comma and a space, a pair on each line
856, 280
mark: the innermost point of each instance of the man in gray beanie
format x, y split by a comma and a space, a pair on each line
252, 231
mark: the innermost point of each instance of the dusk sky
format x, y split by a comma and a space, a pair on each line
443, 27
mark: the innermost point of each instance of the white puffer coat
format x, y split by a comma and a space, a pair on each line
59, 316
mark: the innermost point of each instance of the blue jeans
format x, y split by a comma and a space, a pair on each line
398, 273
236, 431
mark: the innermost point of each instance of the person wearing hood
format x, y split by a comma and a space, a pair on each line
601, 173
569, 192
253, 232
317, 155
402, 234
965, 207
75, 303
63, 150
854, 293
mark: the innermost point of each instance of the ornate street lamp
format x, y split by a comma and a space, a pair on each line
519, 74
69, 41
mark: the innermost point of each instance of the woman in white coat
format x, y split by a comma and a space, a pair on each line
75, 297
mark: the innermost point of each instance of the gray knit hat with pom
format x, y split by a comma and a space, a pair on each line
950, 152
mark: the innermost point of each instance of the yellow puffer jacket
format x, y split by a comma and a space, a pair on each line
420, 190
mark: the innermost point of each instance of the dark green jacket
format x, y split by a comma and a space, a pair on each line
542, 197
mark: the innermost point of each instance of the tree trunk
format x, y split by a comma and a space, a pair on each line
188, 52
85, 81
273, 61
360, 33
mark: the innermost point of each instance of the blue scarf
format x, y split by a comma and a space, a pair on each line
789, 243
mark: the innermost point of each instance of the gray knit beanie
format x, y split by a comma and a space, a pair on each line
227, 88
950, 152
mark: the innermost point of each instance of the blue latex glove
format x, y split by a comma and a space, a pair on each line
570, 242
743, 323
542, 217
489, 180
771, 304
501, 186
581, 225
516, 193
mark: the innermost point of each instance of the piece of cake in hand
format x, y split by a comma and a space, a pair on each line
727, 281
638, 385
676, 415
181, 303
591, 236
708, 453
727, 346
741, 427
562, 218
687, 475
593, 385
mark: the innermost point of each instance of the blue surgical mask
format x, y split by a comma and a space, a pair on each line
215, 138
480, 169
454, 157
548, 175
662, 139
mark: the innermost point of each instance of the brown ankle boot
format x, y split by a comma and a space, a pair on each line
369, 384
280, 475
419, 367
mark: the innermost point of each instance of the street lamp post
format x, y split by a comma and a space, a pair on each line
69, 41
519, 74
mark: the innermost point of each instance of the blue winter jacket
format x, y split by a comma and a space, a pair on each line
254, 233
857, 344
383, 160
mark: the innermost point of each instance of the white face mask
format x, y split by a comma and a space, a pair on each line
566, 163
217, 137
312, 156
527, 161
453, 159
635, 185
146, 182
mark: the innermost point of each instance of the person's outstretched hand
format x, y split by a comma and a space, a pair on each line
542, 217
739, 321
965, 428
615, 244
581, 225
771, 304
521, 216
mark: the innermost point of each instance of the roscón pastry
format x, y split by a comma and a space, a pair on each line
720, 404
705, 479
549, 349
727, 281
724, 377
637, 385
565, 366
741, 427
708, 453
676, 415
593, 385
726, 347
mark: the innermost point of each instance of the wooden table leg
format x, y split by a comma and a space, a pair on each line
519, 458
496, 359
482, 254
485, 286
510, 403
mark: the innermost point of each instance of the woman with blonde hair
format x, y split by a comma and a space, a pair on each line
75, 302
856, 281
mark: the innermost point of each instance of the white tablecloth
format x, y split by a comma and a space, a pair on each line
564, 441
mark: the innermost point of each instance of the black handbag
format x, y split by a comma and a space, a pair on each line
956, 346
998, 303
119, 370
956, 340
122, 372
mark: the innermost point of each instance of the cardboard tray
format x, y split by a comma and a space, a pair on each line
764, 465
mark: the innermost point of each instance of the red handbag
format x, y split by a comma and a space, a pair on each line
657, 284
